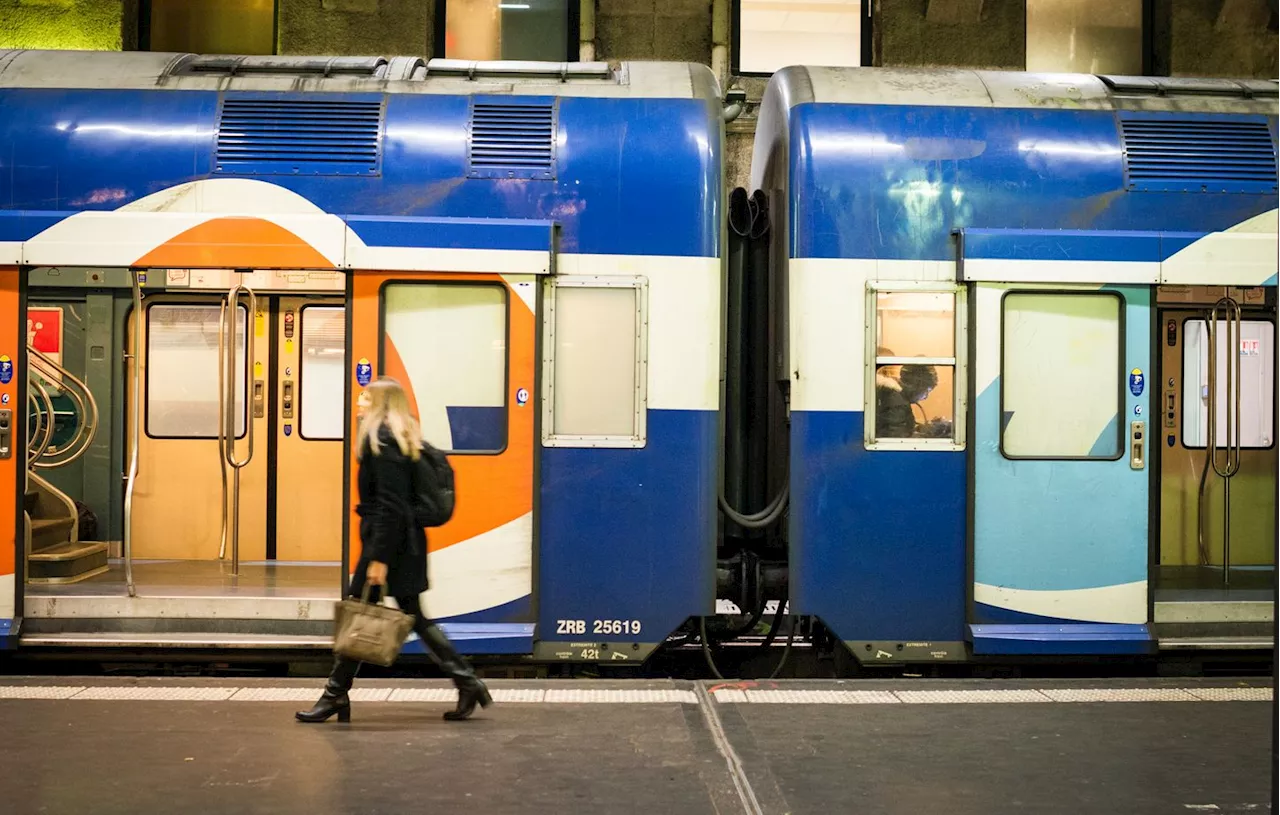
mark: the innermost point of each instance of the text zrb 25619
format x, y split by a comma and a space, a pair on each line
604, 627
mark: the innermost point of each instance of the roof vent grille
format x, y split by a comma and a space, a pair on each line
260, 136
512, 139
1181, 155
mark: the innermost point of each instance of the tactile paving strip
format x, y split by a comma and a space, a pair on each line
588, 696
1118, 695
1232, 694
821, 697
423, 695
156, 694
39, 691
969, 697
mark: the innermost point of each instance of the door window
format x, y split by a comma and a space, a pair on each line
1257, 384
182, 371
323, 372
449, 341
1061, 387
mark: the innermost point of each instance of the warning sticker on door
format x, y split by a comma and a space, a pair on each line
1137, 382
6, 370
364, 372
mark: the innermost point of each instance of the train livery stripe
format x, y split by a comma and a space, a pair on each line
237, 242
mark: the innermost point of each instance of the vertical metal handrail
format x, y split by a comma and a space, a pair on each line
44, 421
222, 419
237, 464
1226, 310
135, 412
87, 410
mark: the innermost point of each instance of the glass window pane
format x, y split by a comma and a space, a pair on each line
1061, 379
507, 29
447, 344
915, 324
213, 26
915, 401
1257, 378
595, 388
322, 370
1085, 36
182, 371
776, 33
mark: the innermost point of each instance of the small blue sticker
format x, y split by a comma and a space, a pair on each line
364, 372
522, 396
1137, 382
4, 398
1137, 410
288, 430
6, 370
1169, 441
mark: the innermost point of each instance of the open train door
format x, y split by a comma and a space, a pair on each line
461, 338
1060, 490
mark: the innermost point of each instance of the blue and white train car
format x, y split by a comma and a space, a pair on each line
533, 249
1008, 434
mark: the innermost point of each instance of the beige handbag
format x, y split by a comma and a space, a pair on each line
369, 632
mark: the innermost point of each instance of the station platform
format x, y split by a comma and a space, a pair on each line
669, 747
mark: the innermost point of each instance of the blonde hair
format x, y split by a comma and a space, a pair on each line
389, 407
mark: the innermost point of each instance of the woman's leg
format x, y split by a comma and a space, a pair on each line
471, 691
335, 699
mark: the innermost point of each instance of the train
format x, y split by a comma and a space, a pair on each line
982, 368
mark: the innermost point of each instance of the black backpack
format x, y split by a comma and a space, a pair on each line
433, 497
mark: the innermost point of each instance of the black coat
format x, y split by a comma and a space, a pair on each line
387, 534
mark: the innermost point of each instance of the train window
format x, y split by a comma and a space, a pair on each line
210, 26
773, 34
447, 344
1085, 36
913, 396
182, 371
498, 29
1061, 388
594, 378
1257, 384
322, 372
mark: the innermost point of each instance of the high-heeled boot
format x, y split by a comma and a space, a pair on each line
334, 699
471, 691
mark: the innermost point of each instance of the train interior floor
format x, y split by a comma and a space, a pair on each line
866, 746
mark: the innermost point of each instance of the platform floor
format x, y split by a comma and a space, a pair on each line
672, 748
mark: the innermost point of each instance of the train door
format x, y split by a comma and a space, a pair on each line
1060, 482
240, 449
463, 346
1215, 565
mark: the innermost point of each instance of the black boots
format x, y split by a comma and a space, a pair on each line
335, 699
326, 707
471, 691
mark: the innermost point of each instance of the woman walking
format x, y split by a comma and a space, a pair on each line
394, 550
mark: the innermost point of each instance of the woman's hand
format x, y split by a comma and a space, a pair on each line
376, 574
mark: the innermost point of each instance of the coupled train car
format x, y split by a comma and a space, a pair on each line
942, 388
218, 254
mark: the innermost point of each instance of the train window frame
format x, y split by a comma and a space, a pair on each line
1246, 317
146, 384
639, 438
572, 21
299, 399
869, 20
506, 339
1122, 304
958, 362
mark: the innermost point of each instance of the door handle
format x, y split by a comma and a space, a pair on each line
1137, 445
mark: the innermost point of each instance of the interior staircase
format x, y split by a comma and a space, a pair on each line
54, 551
